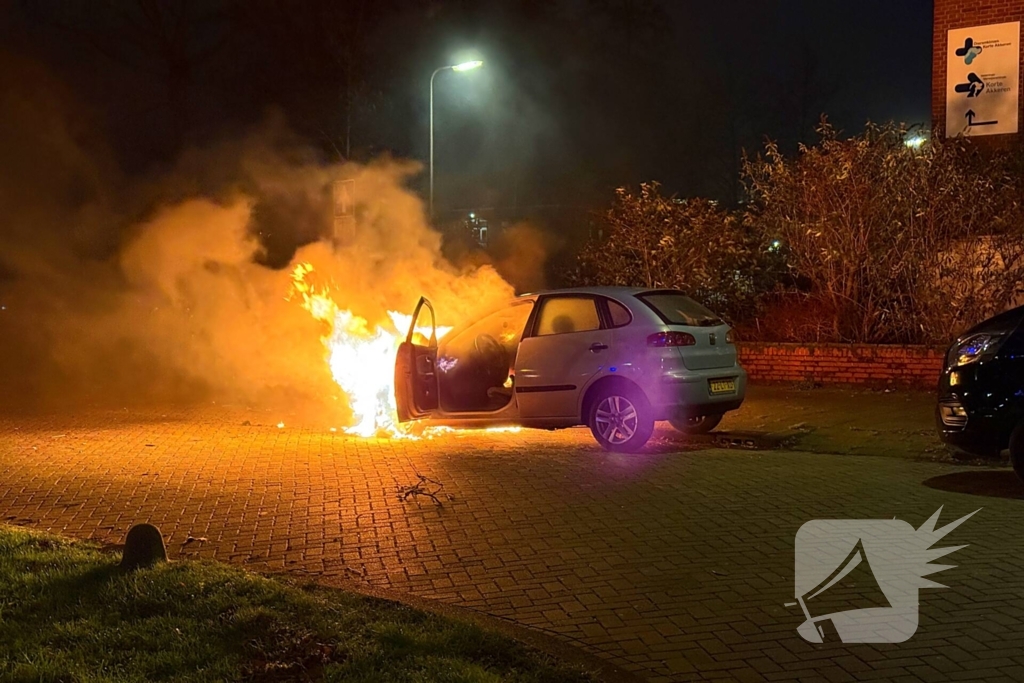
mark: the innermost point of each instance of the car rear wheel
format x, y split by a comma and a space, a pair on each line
701, 424
621, 419
1017, 450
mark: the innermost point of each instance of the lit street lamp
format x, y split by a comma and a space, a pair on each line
464, 66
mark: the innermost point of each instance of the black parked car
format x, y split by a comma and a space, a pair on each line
981, 391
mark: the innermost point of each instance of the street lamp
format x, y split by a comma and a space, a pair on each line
915, 141
464, 66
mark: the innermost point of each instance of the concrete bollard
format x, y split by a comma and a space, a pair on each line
143, 547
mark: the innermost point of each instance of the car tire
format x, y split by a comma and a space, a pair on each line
621, 419
696, 425
1017, 450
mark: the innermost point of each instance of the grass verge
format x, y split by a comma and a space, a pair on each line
69, 615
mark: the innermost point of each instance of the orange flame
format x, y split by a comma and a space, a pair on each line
361, 356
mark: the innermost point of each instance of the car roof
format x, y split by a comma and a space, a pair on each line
613, 292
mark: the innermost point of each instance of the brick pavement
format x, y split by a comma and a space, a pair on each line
675, 564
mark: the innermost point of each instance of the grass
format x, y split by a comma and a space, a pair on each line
69, 615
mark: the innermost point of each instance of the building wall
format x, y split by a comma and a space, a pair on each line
878, 365
953, 14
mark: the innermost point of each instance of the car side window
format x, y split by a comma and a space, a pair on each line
620, 314
564, 314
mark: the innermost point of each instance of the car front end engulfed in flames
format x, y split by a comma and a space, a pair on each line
615, 359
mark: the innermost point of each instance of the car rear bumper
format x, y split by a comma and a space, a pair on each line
688, 393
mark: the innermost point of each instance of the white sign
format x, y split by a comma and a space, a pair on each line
982, 69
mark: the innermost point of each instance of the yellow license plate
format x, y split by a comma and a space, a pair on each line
722, 386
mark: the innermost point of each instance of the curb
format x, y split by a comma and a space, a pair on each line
739, 439
556, 647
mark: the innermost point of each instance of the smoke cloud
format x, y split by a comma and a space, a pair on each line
174, 286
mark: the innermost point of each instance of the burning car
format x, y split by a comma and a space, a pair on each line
613, 358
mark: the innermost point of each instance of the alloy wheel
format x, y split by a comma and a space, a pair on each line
616, 419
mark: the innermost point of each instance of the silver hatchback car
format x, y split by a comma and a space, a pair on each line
613, 358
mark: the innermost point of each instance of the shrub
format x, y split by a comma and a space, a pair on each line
650, 240
859, 239
896, 244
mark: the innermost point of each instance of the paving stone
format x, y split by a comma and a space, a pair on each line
676, 564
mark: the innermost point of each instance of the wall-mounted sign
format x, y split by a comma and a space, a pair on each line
982, 69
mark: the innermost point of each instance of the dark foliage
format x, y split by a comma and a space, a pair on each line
650, 240
861, 239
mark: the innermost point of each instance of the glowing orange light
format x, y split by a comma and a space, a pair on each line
361, 357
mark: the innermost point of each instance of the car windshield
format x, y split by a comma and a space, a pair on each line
679, 309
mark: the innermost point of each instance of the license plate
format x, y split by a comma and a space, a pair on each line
722, 386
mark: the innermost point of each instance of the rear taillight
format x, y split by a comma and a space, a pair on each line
671, 339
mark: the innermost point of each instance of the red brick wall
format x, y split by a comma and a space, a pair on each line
843, 364
952, 14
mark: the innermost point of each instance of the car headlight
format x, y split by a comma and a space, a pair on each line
974, 347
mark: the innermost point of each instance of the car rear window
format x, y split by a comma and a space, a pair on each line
678, 309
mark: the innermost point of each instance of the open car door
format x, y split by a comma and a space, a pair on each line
415, 374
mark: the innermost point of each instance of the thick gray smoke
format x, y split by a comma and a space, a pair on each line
174, 287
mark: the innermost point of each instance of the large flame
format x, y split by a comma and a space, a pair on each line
361, 356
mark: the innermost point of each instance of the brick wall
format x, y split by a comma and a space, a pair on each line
953, 14
843, 364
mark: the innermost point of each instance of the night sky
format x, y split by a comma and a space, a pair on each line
576, 96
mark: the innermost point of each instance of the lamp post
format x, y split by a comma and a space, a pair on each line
464, 66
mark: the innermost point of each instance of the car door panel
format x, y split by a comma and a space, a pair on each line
552, 369
416, 393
